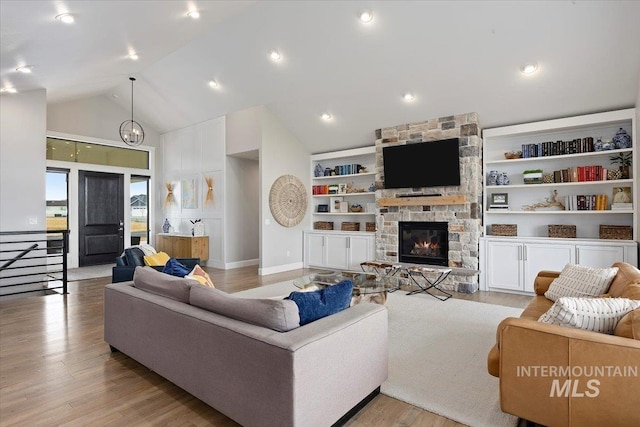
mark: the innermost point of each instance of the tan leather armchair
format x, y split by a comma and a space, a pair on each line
558, 376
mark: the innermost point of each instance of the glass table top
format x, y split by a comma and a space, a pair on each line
363, 283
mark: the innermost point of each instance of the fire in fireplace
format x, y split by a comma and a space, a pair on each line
423, 242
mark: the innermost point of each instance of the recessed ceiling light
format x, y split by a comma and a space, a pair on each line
275, 55
67, 18
408, 96
213, 83
26, 69
193, 14
528, 68
133, 56
9, 89
365, 16
326, 116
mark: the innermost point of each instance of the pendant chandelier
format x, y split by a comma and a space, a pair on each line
130, 131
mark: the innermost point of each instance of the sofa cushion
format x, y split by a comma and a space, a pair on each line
632, 291
324, 302
156, 282
581, 281
627, 273
134, 256
175, 268
592, 314
159, 259
279, 315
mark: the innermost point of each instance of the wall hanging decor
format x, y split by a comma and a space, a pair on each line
189, 194
288, 200
169, 200
208, 199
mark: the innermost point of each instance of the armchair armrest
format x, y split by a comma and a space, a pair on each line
543, 281
561, 376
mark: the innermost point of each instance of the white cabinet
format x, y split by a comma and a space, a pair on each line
512, 263
347, 174
569, 135
338, 250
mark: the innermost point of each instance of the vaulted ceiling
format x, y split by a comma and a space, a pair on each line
455, 56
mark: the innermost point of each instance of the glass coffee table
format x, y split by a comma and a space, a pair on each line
366, 286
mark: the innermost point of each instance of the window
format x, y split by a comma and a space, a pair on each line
96, 154
139, 203
57, 199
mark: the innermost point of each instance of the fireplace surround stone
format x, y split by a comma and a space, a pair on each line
464, 220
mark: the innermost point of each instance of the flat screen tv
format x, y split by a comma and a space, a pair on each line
424, 164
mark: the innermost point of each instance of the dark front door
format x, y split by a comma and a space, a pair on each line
101, 217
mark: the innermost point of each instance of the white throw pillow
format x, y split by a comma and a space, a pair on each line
591, 314
581, 281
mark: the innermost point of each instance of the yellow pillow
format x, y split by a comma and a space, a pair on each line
201, 276
156, 260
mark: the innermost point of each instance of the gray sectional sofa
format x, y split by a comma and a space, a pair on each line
308, 376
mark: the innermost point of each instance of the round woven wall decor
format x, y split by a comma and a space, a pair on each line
288, 200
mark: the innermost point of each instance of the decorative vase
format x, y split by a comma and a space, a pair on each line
597, 146
166, 226
318, 170
622, 139
493, 178
198, 229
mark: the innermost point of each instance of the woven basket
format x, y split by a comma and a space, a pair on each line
370, 226
350, 226
567, 231
504, 229
617, 232
323, 225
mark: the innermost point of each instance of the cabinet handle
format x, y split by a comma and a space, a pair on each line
519, 253
348, 242
323, 240
524, 253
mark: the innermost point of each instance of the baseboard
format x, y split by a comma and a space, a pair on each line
364, 402
238, 264
279, 268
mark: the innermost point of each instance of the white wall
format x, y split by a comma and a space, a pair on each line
23, 126
243, 131
191, 154
281, 153
97, 117
243, 212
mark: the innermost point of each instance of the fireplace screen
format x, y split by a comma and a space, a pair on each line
424, 243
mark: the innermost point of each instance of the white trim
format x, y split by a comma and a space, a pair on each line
280, 268
238, 264
73, 168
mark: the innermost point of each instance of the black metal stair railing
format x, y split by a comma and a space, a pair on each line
33, 261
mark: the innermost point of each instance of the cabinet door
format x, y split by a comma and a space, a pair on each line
314, 250
538, 257
504, 265
200, 247
600, 256
337, 252
181, 247
360, 250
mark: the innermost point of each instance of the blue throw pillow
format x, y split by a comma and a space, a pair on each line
324, 302
175, 268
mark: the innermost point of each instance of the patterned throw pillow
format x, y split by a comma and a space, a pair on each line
201, 276
580, 281
591, 314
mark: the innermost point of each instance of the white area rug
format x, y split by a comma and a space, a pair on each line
438, 354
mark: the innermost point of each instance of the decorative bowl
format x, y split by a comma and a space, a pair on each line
513, 155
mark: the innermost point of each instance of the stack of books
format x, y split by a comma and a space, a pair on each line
622, 206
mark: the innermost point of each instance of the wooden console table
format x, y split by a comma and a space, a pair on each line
183, 245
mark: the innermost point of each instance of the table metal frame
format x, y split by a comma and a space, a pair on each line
385, 269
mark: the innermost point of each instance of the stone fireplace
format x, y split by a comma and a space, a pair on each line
462, 219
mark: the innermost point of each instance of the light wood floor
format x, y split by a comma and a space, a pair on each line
56, 369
